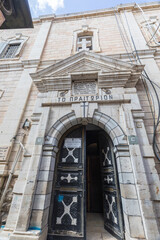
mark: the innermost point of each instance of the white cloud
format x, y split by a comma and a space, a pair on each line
54, 4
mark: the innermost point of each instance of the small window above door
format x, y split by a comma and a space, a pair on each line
85, 42
86, 39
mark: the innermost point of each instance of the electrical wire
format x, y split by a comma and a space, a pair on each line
154, 34
124, 30
153, 85
122, 35
156, 122
149, 27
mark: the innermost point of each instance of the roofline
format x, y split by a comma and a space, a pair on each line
128, 6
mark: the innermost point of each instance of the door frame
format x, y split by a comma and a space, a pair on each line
83, 207
109, 125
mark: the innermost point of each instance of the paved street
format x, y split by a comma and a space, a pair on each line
95, 229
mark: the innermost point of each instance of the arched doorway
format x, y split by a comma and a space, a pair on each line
85, 182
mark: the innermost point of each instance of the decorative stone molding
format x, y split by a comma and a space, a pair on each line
62, 93
86, 65
122, 154
100, 119
84, 30
151, 30
17, 39
138, 114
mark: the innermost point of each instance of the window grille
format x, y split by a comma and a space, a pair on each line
10, 51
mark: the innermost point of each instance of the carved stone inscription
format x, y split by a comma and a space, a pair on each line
4, 153
80, 88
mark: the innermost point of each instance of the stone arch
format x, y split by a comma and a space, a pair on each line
108, 124
49, 155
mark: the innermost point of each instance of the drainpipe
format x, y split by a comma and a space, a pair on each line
21, 148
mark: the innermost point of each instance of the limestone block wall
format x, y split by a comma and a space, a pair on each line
59, 46
158, 62
8, 83
148, 118
60, 41
29, 32
26, 115
19, 101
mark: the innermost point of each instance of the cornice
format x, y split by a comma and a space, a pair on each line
110, 72
30, 63
106, 11
147, 53
17, 64
157, 54
11, 66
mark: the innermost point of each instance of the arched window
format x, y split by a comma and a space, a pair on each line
11, 48
87, 39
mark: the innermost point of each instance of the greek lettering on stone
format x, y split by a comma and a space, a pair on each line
82, 98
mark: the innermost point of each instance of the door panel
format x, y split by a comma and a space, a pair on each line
69, 190
69, 201
67, 209
111, 199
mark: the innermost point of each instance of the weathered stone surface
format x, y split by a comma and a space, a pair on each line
100, 87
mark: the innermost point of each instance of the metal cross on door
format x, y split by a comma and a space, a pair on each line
111, 199
69, 190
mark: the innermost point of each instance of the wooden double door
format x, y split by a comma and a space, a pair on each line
85, 180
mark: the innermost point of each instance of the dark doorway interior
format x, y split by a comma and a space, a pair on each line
94, 183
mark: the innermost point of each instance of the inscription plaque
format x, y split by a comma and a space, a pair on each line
72, 143
84, 87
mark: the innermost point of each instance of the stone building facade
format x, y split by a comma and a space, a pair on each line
77, 111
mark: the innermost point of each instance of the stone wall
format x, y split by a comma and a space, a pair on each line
40, 53
8, 84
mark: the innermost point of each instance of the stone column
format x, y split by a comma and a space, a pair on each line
153, 72
129, 20
141, 178
146, 55
42, 198
131, 209
24, 189
17, 106
148, 180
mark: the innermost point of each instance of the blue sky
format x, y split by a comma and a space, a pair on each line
44, 7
